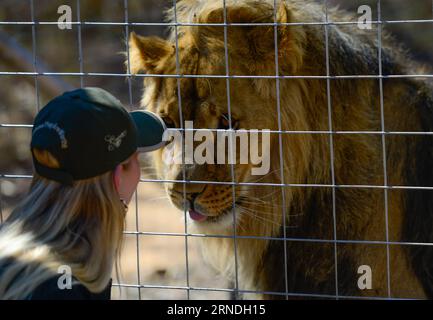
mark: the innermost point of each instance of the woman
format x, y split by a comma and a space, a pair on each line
85, 153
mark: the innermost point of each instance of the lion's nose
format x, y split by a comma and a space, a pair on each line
192, 190
188, 197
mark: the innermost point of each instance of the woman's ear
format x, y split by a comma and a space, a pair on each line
146, 52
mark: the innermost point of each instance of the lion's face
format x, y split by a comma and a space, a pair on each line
205, 102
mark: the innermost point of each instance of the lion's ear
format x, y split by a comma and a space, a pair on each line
146, 52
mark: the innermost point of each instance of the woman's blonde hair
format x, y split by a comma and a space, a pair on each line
79, 226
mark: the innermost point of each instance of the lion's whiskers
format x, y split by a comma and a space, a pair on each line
258, 215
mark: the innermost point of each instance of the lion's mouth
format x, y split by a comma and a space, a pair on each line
197, 216
201, 217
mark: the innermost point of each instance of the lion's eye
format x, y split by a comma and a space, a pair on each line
225, 122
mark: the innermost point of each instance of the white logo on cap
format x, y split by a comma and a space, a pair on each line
57, 129
115, 142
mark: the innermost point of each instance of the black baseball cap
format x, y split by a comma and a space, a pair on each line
89, 132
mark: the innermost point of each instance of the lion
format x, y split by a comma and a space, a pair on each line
326, 220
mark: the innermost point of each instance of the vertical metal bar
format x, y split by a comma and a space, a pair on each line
331, 147
35, 63
382, 123
226, 56
179, 98
125, 5
280, 143
1, 204
137, 222
80, 46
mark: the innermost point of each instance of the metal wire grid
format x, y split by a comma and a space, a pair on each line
383, 133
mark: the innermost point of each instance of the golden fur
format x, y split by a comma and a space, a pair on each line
358, 158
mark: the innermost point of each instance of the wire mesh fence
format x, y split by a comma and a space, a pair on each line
191, 288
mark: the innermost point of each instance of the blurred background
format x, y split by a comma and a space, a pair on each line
151, 260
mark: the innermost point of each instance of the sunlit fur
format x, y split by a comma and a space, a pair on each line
304, 106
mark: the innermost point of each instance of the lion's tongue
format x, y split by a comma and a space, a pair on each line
197, 216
